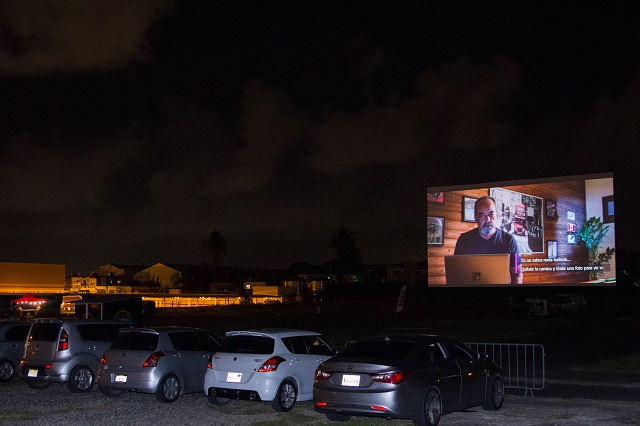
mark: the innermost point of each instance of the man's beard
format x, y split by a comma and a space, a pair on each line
486, 229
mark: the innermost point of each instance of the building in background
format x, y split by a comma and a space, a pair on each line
32, 278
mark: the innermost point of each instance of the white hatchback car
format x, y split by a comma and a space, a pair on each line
266, 365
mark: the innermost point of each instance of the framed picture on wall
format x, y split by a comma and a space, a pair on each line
551, 211
435, 231
468, 208
521, 215
435, 197
607, 209
552, 249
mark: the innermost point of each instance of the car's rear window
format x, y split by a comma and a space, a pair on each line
391, 350
99, 332
136, 341
17, 332
45, 331
248, 345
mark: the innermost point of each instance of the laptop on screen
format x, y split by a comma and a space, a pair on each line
477, 269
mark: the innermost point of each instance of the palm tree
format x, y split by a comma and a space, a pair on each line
347, 253
214, 249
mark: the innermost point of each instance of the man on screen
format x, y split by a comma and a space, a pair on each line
488, 239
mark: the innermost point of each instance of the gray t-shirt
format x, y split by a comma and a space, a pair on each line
471, 242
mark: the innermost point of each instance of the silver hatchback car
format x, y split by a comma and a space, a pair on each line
266, 365
66, 351
13, 334
165, 361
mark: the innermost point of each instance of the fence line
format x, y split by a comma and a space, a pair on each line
522, 364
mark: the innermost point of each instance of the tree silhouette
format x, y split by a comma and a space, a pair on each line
215, 250
347, 253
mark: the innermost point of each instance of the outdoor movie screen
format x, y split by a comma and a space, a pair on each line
552, 231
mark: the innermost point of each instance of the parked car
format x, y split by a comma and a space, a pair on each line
165, 361
266, 365
13, 334
66, 351
567, 304
418, 377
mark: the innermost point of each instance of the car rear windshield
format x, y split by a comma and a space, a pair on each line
391, 350
45, 331
248, 345
99, 332
136, 341
17, 333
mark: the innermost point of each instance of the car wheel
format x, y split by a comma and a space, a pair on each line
112, 392
7, 370
285, 397
80, 379
35, 384
431, 410
168, 389
337, 417
495, 396
216, 400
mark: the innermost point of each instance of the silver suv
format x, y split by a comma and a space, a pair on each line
67, 351
12, 337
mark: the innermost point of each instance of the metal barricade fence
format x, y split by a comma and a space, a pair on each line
522, 364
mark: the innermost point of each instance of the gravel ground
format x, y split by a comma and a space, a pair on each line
56, 405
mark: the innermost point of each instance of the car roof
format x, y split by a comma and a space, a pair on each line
81, 321
416, 338
272, 332
160, 329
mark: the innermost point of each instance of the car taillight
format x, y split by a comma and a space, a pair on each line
63, 341
322, 375
103, 361
393, 378
210, 363
152, 360
271, 364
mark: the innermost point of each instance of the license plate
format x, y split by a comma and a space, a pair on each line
234, 377
350, 380
120, 378
33, 372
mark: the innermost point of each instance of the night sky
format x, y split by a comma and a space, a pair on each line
129, 130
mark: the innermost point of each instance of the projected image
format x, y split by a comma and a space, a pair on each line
554, 231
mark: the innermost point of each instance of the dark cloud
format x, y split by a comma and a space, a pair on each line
41, 37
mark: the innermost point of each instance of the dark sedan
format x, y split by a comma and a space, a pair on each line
418, 377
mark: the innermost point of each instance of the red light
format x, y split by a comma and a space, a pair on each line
210, 363
379, 408
63, 342
47, 366
271, 364
321, 404
152, 360
393, 378
103, 361
322, 375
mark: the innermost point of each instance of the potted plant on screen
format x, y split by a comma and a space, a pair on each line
591, 235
